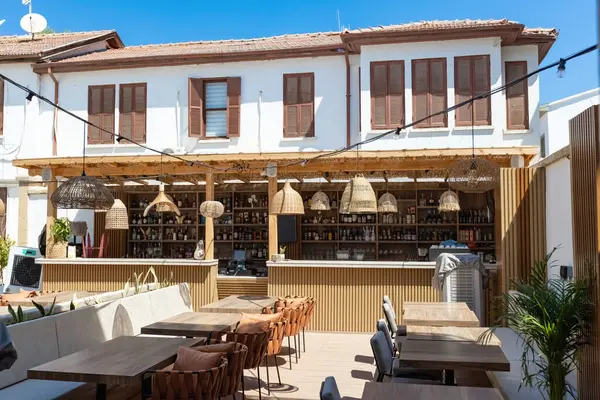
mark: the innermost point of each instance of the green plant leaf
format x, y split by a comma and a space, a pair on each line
40, 308
51, 310
71, 306
20, 316
127, 287
11, 310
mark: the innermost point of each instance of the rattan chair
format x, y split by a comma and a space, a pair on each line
274, 348
170, 384
310, 307
257, 344
293, 317
235, 368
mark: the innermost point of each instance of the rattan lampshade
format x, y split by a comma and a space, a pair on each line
474, 175
82, 192
449, 202
116, 217
2, 208
287, 202
358, 197
212, 209
320, 202
162, 203
387, 203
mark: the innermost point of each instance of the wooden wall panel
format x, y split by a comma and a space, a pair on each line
585, 197
349, 299
249, 286
117, 239
107, 278
523, 222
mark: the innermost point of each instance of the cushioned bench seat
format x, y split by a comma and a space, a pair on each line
34, 389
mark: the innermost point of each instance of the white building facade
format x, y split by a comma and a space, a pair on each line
292, 93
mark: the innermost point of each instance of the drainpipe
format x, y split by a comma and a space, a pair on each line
55, 124
346, 50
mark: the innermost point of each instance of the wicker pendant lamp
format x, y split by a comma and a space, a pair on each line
82, 192
358, 197
2, 208
449, 202
116, 217
387, 203
474, 175
320, 202
162, 203
287, 202
211, 209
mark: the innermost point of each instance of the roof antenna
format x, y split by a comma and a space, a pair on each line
339, 21
32, 23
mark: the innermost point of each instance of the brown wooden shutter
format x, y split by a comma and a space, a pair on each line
132, 112
101, 112
298, 105
516, 96
1, 107
290, 111
379, 87
108, 114
195, 107
395, 94
463, 89
234, 101
94, 110
139, 116
438, 91
306, 106
481, 84
420, 90
126, 112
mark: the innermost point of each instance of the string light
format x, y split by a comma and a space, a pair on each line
29, 96
562, 65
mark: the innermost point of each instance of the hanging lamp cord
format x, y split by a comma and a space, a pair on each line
472, 128
83, 159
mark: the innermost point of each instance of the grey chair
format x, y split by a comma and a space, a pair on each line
382, 327
388, 365
329, 389
386, 300
390, 317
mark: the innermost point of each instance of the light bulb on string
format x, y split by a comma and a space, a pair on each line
562, 66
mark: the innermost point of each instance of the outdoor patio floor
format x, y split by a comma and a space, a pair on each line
346, 356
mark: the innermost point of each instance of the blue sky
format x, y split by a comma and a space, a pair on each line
153, 21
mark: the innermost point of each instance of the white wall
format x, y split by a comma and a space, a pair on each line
452, 136
559, 228
555, 122
261, 110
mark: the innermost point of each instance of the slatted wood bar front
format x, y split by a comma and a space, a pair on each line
243, 285
105, 275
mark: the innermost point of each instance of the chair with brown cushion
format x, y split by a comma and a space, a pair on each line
257, 344
293, 317
310, 307
170, 384
235, 353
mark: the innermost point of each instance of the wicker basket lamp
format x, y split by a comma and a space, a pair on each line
162, 202
82, 192
358, 197
211, 209
320, 202
2, 208
474, 175
387, 203
116, 217
449, 202
287, 202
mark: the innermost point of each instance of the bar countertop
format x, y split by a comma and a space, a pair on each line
361, 264
126, 261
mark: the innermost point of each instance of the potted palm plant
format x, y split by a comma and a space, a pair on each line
60, 232
553, 318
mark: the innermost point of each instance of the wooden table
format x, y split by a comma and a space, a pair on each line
434, 305
192, 324
120, 361
408, 391
448, 333
452, 355
431, 316
240, 304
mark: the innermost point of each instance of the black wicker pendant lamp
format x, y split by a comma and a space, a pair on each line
82, 192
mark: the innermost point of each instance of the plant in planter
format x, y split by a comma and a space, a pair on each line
5, 244
60, 231
554, 318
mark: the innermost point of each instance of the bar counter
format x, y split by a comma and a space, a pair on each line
349, 293
109, 274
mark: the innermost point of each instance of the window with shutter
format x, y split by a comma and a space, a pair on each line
517, 114
214, 107
132, 112
387, 94
298, 105
472, 78
101, 112
429, 92
1, 107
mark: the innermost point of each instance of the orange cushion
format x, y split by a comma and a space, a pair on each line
265, 317
225, 348
249, 325
193, 360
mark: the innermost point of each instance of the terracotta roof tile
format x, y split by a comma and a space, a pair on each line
549, 32
435, 25
275, 43
23, 46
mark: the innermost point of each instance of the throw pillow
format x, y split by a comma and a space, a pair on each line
249, 325
192, 360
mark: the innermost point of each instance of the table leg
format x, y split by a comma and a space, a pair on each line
101, 391
449, 377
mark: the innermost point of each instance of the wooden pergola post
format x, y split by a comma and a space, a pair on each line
273, 237
209, 229
50, 209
